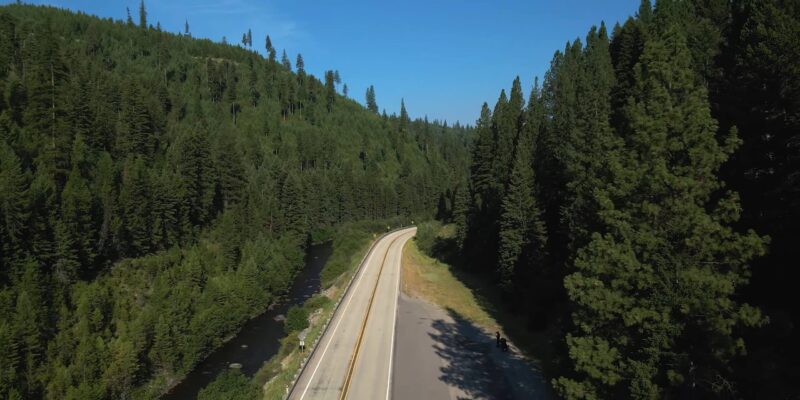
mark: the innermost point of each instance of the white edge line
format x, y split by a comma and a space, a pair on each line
394, 322
333, 333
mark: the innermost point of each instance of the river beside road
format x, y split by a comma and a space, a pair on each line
259, 338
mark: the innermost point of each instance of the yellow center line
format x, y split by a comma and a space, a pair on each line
354, 357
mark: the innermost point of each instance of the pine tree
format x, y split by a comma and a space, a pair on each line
482, 153
295, 219
216, 80
404, 120
195, 167
330, 90
44, 80
137, 134
82, 116
302, 89
494, 136
645, 13
142, 15
270, 50
76, 215
300, 65
8, 43
626, 48
285, 61
481, 183
165, 208
164, 347
134, 199
593, 135
121, 373
507, 122
9, 360
29, 322
13, 216
252, 83
461, 213
654, 294
16, 100
285, 96
230, 174
557, 147
231, 95
372, 105
520, 222
42, 200
752, 94
105, 188
67, 264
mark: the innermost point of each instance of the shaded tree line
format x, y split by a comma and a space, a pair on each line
629, 203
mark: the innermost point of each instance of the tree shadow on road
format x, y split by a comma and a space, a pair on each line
476, 367
539, 338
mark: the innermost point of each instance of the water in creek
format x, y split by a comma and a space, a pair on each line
259, 339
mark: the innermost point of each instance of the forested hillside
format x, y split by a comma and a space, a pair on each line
629, 202
158, 190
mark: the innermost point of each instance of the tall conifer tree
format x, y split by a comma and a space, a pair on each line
654, 294
593, 136
404, 120
12, 210
285, 61
270, 50
372, 105
330, 90
142, 15
134, 199
520, 222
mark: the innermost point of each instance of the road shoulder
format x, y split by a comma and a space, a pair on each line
445, 342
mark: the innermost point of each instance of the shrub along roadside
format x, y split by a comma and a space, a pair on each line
296, 320
427, 233
349, 240
230, 385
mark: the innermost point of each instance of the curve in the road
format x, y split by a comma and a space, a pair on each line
336, 327
338, 370
354, 357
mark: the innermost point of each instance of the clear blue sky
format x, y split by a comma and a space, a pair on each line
445, 57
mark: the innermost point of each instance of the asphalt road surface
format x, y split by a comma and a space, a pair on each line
355, 356
382, 344
440, 355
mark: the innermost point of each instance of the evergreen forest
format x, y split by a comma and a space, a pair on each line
157, 191
642, 206
639, 206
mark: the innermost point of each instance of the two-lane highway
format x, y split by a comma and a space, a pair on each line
354, 358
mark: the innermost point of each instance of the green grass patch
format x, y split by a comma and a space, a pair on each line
434, 281
316, 302
474, 296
